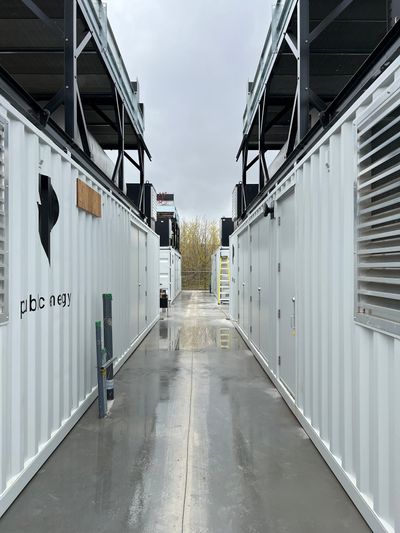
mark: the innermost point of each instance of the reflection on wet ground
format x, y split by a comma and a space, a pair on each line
198, 440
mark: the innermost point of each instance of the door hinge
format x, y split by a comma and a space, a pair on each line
251, 268
251, 299
238, 316
145, 268
279, 313
279, 360
145, 318
145, 292
251, 238
279, 221
251, 329
279, 267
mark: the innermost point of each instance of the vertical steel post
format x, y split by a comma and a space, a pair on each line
101, 374
121, 181
108, 343
303, 67
260, 148
70, 72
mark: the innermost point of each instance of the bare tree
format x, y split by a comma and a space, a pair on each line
199, 240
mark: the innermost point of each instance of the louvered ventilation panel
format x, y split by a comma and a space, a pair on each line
378, 222
3, 227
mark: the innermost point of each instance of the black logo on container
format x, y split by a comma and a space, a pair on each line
49, 210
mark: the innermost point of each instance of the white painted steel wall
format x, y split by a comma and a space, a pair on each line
48, 356
346, 375
170, 272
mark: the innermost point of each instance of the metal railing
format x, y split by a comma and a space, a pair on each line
96, 12
282, 9
196, 280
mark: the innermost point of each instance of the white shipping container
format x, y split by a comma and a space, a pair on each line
49, 304
314, 293
170, 272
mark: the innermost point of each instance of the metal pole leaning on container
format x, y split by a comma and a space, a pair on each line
108, 343
101, 373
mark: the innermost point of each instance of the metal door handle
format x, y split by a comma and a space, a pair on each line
293, 317
259, 289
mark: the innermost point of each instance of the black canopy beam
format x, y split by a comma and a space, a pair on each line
54, 103
30, 4
318, 103
131, 160
70, 70
104, 116
303, 35
328, 19
252, 162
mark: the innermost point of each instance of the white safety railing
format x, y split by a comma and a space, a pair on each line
282, 10
95, 12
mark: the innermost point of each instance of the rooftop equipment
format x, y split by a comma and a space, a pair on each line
167, 225
242, 196
226, 230
146, 197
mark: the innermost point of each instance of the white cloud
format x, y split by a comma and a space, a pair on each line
193, 61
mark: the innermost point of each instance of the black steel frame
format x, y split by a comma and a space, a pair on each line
305, 98
377, 62
69, 95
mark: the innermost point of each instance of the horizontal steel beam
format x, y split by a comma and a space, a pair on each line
39, 51
30, 4
327, 21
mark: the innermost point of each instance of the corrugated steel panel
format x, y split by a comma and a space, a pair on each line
170, 272
48, 352
347, 374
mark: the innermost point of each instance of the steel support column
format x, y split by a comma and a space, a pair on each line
121, 175
303, 67
141, 165
70, 71
245, 152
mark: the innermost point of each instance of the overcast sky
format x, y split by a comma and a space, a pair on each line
193, 60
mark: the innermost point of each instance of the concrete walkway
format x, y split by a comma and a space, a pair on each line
198, 440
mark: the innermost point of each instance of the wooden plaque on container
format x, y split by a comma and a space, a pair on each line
88, 199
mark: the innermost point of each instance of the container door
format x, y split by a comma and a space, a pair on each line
287, 303
134, 308
142, 259
255, 285
243, 277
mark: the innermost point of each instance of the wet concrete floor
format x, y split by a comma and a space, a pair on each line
198, 440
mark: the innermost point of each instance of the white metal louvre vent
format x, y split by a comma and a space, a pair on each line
378, 221
3, 227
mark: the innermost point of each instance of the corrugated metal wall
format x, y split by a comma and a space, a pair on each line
48, 355
347, 375
170, 272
